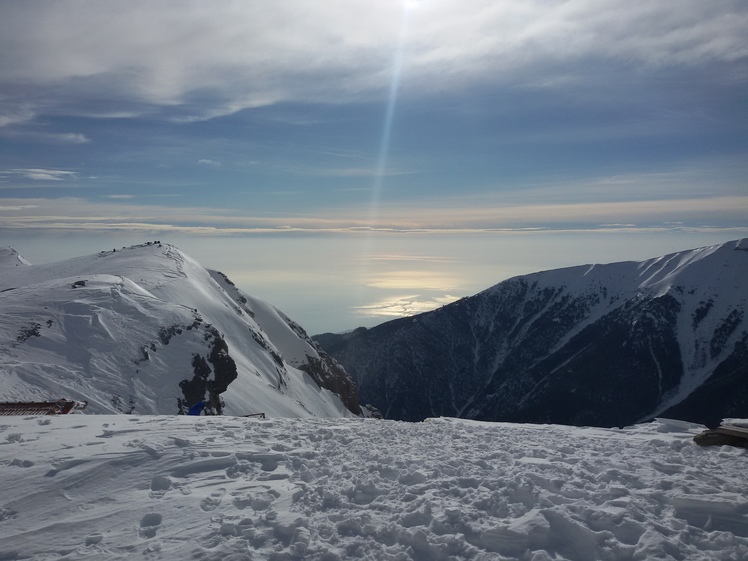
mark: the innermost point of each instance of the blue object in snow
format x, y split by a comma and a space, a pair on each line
197, 408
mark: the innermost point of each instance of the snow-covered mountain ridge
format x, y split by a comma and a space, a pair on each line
148, 330
595, 344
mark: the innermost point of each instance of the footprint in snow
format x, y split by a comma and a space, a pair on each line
149, 524
7, 513
21, 463
258, 502
63, 465
93, 539
160, 484
212, 502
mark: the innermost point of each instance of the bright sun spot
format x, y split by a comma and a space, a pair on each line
404, 306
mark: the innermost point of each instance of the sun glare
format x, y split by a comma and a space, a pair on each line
384, 145
411, 5
404, 306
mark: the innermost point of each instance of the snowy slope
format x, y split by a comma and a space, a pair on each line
232, 489
148, 330
595, 344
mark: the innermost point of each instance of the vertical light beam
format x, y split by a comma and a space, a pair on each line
384, 147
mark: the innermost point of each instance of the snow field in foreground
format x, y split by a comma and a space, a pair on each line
234, 489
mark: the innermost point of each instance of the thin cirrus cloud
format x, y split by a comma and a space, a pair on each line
62, 138
198, 60
38, 174
74, 214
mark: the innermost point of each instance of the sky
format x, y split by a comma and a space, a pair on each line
353, 161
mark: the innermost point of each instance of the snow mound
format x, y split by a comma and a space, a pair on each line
220, 488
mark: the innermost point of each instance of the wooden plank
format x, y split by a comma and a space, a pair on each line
725, 435
733, 430
60, 407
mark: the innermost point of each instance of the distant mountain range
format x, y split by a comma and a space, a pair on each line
605, 345
148, 330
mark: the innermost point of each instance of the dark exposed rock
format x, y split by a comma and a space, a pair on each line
166, 333
327, 372
723, 332
119, 404
723, 395
224, 370
207, 384
630, 357
260, 340
701, 312
33, 330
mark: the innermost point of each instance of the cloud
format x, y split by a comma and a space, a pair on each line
405, 258
205, 162
15, 207
346, 171
411, 279
197, 60
43, 174
14, 113
46, 137
68, 138
424, 218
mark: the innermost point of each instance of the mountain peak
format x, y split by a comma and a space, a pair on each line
9, 257
146, 329
605, 345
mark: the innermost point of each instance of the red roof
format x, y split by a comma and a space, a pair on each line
60, 407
